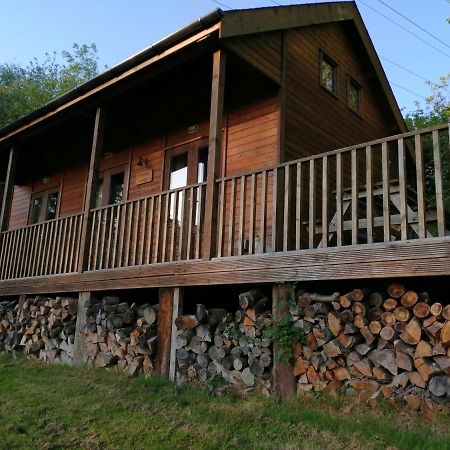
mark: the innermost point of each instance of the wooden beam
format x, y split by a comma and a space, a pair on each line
214, 157
8, 190
89, 201
177, 311
79, 352
283, 374
164, 331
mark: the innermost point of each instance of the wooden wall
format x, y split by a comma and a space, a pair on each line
315, 120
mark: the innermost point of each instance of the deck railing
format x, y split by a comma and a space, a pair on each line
395, 188
161, 228
46, 248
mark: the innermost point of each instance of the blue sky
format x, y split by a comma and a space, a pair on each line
29, 28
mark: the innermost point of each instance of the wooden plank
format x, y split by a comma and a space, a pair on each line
149, 246
369, 194
252, 213
438, 183
298, 206
402, 185
102, 241
109, 237
214, 158
79, 349
231, 218
173, 234
164, 331
420, 179
183, 220
199, 216
8, 189
339, 206
91, 187
176, 312
386, 181
312, 204
263, 217
222, 210
284, 383
277, 211
355, 197
165, 228
325, 222
191, 221
157, 230
135, 237
286, 207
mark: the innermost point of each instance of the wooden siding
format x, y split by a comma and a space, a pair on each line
73, 191
315, 120
262, 51
20, 206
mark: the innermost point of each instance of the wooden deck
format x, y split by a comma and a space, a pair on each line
377, 209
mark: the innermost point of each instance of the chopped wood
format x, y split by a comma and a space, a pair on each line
421, 310
436, 309
396, 290
445, 333
390, 304
446, 312
412, 333
334, 323
388, 319
387, 333
423, 350
188, 322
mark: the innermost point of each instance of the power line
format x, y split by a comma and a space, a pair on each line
276, 3
414, 23
408, 90
404, 29
406, 69
221, 4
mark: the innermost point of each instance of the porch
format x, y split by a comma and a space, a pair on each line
370, 210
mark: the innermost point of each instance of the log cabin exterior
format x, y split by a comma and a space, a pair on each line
248, 147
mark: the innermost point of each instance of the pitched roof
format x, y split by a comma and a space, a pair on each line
226, 24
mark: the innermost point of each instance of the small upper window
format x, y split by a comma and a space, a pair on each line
354, 96
328, 72
44, 206
111, 187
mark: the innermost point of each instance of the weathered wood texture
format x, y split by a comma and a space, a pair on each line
165, 313
79, 352
317, 121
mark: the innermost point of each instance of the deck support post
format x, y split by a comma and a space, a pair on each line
177, 311
5, 209
283, 374
164, 331
89, 201
79, 353
214, 154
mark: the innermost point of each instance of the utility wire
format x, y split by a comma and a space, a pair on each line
221, 4
276, 3
414, 23
406, 69
408, 90
405, 29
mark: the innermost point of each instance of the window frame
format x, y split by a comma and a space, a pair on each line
352, 81
192, 149
323, 56
105, 176
43, 212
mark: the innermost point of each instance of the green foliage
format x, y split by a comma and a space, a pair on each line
232, 331
285, 334
23, 89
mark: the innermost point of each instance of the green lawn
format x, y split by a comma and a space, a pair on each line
54, 407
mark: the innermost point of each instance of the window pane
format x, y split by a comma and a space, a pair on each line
354, 97
178, 171
52, 206
327, 75
36, 206
202, 164
99, 194
116, 188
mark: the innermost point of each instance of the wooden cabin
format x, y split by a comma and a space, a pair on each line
248, 147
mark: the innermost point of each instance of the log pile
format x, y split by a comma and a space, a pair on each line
9, 331
121, 335
395, 344
214, 343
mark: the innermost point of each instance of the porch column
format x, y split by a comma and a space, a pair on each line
283, 374
214, 154
89, 201
79, 351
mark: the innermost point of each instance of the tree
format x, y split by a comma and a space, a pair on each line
23, 89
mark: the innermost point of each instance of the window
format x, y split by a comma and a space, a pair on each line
354, 95
44, 206
111, 187
328, 73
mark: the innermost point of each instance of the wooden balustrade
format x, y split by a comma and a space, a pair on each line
46, 248
396, 188
161, 228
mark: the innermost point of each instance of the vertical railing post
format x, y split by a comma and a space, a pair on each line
214, 154
5, 209
97, 144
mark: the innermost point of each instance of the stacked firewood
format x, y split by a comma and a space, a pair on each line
47, 328
9, 335
216, 343
121, 335
398, 342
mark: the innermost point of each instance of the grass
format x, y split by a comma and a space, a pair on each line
57, 407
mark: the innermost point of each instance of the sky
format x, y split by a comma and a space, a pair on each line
119, 28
